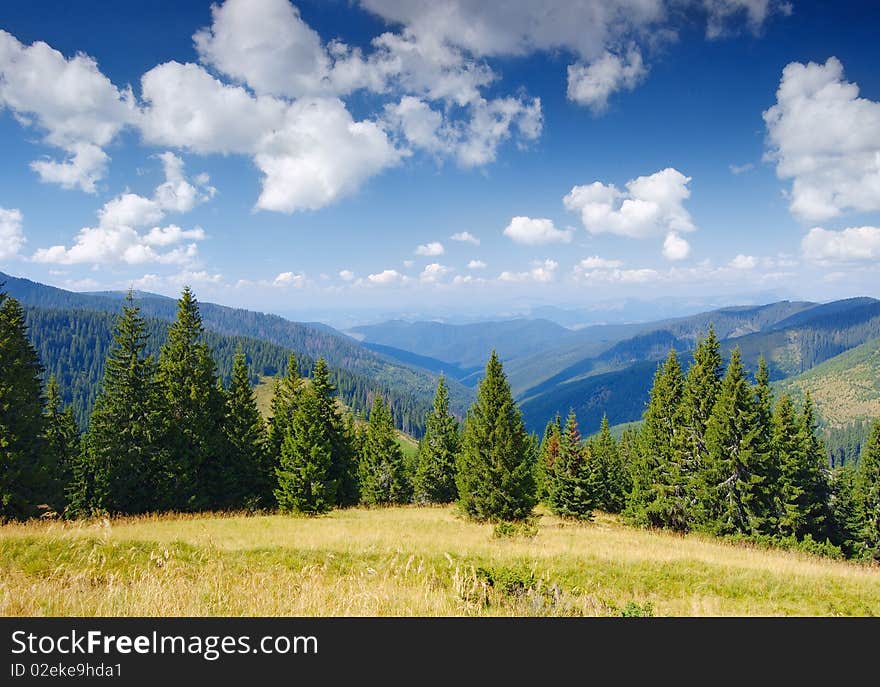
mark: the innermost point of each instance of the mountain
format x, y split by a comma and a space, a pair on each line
793, 337
466, 346
411, 386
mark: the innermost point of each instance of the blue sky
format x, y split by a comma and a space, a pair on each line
320, 156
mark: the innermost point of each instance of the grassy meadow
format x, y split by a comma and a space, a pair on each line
425, 561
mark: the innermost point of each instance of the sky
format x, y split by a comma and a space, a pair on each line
428, 156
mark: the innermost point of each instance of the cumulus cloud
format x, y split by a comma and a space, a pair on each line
854, 244
593, 83
722, 13
477, 265
11, 234
117, 237
78, 109
542, 271
536, 231
385, 277
286, 279
617, 276
465, 237
675, 247
346, 275
650, 206
826, 139
594, 262
433, 272
744, 262
432, 248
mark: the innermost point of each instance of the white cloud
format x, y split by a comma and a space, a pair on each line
385, 277
408, 264
346, 275
433, 272
721, 12
77, 107
650, 206
285, 279
116, 238
825, 138
432, 248
173, 283
536, 231
741, 169
594, 262
542, 271
593, 83
465, 237
11, 234
854, 244
477, 265
675, 247
744, 262
617, 276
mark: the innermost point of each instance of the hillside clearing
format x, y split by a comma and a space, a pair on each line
406, 561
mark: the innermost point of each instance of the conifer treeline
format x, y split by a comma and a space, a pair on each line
714, 452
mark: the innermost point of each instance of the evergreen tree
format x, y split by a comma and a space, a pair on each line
572, 488
248, 481
342, 469
730, 483
867, 488
438, 452
769, 496
495, 480
193, 406
659, 497
612, 477
22, 483
702, 385
382, 471
121, 462
548, 453
283, 406
814, 473
844, 505
305, 483
789, 449
62, 445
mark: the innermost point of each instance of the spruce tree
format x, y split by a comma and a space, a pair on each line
814, 473
342, 458
787, 454
846, 516
573, 486
283, 406
495, 480
193, 406
867, 489
611, 475
62, 445
248, 481
438, 452
660, 494
730, 483
548, 452
22, 451
769, 496
121, 465
383, 475
305, 482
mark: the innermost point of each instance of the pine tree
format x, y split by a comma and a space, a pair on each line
193, 406
495, 480
342, 468
22, 483
121, 462
305, 483
438, 452
814, 473
248, 481
612, 477
769, 496
787, 453
730, 483
548, 453
573, 486
844, 506
62, 445
659, 497
283, 406
702, 385
867, 487
382, 471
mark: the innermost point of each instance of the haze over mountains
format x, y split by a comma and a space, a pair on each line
596, 369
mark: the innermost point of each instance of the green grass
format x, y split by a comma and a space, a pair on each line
407, 561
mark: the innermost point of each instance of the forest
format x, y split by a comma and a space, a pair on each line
172, 431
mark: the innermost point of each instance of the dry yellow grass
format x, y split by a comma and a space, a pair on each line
406, 561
